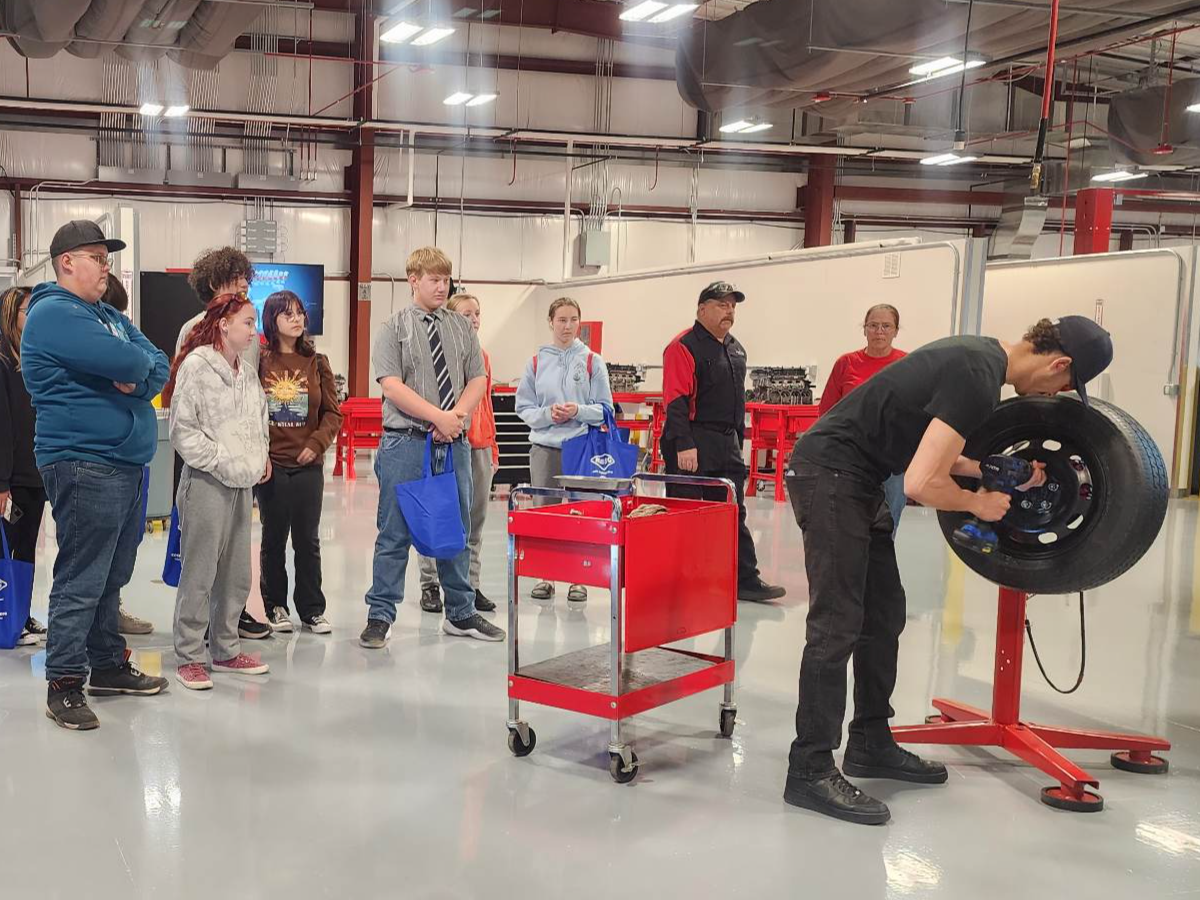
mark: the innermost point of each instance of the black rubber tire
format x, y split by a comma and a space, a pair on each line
1127, 505
1058, 798
1156, 766
518, 747
728, 722
616, 768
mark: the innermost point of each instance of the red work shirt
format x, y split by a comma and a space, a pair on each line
851, 370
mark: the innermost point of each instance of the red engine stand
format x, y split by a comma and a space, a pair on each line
1036, 744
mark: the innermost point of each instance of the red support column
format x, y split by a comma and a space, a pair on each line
1093, 220
818, 202
360, 180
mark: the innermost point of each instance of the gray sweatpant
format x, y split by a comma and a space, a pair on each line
214, 526
481, 491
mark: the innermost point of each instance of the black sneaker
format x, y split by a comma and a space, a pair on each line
474, 626
893, 762
124, 679
375, 635
251, 629
758, 591
482, 603
832, 795
67, 706
431, 599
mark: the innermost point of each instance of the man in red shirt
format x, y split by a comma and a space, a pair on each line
880, 327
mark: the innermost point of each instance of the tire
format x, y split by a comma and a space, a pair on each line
728, 722
616, 768
1102, 507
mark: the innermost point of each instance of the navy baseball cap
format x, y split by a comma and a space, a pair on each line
1090, 348
719, 290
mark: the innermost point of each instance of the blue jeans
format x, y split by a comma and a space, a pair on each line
893, 491
400, 459
98, 517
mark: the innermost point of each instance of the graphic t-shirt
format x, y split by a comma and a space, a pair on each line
302, 407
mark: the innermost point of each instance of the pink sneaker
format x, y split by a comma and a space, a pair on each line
194, 677
241, 665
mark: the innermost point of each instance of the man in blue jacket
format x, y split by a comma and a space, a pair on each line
91, 375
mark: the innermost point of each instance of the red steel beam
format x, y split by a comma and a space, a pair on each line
818, 202
360, 180
1093, 220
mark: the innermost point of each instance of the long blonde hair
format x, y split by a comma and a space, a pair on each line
10, 337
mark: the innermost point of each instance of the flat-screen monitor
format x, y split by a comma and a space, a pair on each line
304, 280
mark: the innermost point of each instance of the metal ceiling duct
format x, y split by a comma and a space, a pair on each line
42, 27
1153, 127
211, 33
105, 21
159, 23
783, 53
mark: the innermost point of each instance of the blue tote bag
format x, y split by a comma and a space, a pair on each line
599, 452
173, 564
430, 508
16, 594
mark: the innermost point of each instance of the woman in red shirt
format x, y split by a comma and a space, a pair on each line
880, 327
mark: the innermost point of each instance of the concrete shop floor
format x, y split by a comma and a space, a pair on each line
356, 773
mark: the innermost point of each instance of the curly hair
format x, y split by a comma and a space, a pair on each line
277, 304
1045, 338
214, 269
206, 333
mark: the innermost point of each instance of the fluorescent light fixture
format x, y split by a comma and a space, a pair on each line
643, 11
400, 32
679, 9
432, 36
734, 127
1119, 175
947, 65
948, 159
151, 109
457, 99
1195, 107
174, 112
481, 99
753, 129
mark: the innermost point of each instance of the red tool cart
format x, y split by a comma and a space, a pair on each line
662, 590
773, 432
362, 426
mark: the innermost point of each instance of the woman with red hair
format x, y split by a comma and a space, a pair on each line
218, 426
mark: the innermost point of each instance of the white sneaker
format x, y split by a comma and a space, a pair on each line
278, 619
317, 625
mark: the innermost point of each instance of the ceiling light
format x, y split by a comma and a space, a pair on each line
480, 99
947, 65
959, 160
151, 109
400, 32
739, 125
174, 112
761, 126
432, 36
457, 99
679, 9
1195, 107
643, 11
1119, 175
948, 159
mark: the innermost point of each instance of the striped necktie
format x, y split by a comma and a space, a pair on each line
440, 371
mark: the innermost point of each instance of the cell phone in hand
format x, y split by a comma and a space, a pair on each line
12, 512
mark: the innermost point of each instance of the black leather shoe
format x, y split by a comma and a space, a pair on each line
482, 603
893, 762
758, 591
832, 795
431, 599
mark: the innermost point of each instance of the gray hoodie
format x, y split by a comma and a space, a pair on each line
562, 377
219, 419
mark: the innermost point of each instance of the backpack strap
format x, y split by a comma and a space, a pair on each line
589, 363
535, 364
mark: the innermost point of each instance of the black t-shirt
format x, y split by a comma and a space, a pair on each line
876, 429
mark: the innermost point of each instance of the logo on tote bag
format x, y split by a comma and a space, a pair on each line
603, 464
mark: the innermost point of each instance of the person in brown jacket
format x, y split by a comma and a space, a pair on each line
304, 419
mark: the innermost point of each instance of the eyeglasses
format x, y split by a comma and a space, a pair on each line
104, 262
294, 314
880, 326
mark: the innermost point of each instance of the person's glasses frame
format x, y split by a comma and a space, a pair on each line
104, 262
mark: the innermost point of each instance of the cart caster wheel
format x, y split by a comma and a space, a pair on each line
1059, 798
518, 747
728, 721
1124, 761
936, 719
616, 768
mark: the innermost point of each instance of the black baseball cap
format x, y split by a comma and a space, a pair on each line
81, 233
719, 290
1090, 348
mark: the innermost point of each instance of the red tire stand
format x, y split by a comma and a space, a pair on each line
1037, 745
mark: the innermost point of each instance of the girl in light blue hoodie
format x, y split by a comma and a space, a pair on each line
563, 391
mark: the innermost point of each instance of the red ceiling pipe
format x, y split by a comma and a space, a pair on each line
1047, 101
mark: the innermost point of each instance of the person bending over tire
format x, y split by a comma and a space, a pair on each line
912, 417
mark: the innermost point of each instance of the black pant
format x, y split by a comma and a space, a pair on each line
719, 456
22, 535
856, 606
291, 503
